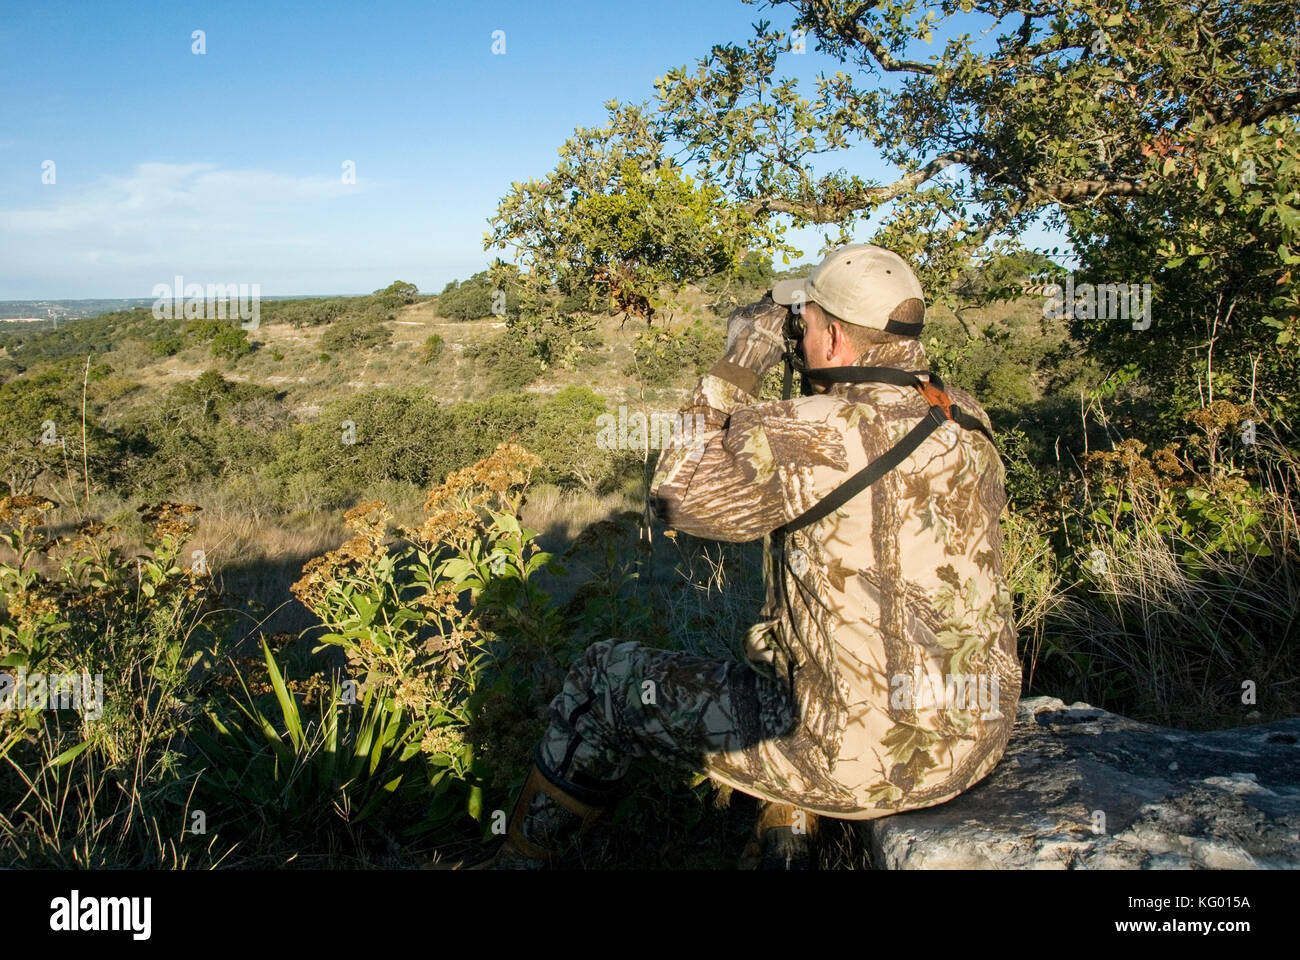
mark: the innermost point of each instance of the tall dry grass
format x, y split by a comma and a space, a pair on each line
1174, 600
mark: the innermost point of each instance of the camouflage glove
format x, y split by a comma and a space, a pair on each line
755, 338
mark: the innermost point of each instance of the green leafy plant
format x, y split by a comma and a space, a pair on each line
433, 348
423, 621
95, 780
661, 355
290, 773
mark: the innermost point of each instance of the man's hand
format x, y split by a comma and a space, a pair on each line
755, 337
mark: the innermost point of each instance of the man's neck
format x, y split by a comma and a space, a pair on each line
906, 354
902, 354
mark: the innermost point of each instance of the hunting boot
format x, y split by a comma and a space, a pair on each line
785, 838
547, 820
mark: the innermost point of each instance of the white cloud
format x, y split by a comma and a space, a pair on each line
162, 197
124, 233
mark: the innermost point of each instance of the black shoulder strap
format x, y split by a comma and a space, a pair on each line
869, 474
892, 375
936, 417
967, 422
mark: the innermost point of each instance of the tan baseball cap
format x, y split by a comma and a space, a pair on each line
864, 285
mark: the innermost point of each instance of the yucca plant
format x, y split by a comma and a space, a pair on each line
282, 771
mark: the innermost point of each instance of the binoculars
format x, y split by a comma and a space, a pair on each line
794, 325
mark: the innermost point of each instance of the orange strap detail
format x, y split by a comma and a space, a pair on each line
936, 398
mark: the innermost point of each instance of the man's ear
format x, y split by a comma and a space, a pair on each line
835, 340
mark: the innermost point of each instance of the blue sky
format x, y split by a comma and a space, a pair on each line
227, 167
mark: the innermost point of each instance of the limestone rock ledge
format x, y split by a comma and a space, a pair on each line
1081, 788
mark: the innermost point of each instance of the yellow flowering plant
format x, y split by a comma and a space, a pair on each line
33, 616
418, 615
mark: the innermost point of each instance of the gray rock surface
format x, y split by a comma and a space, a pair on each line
1162, 798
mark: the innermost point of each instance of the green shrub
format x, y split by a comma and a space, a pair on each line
166, 346
354, 335
476, 298
1178, 575
103, 786
231, 343
661, 356
201, 430
203, 329
308, 313
40, 432
405, 435
421, 622
433, 349
565, 438
506, 361
225, 339
379, 306
397, 294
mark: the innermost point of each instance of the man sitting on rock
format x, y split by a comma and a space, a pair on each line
883, 676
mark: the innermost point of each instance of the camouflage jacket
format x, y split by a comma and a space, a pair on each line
896, 624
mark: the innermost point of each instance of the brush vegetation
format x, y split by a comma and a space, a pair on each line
331, 569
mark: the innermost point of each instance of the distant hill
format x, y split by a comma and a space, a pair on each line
58, 310
314, 350
51, 310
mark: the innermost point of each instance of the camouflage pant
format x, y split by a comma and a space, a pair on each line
626, 700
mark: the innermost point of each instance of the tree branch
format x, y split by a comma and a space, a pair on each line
1279, 104
848, 29
1074, 189
835, 210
